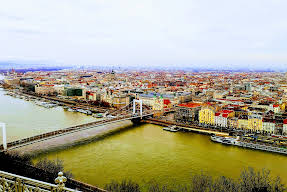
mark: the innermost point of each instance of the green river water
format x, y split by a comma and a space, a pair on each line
142, 152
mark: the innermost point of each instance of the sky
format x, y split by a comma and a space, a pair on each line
180, 33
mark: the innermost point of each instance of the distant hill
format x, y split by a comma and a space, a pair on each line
5, 66
24, 67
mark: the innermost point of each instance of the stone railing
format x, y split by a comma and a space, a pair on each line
16, 183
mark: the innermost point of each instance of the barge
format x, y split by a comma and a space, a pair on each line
227, 140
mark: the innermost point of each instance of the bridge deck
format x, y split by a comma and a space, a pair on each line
69, 140
69, 130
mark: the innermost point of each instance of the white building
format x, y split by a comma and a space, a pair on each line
221, 118
268, 125
284, 127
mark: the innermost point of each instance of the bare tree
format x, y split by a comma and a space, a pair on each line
53, 166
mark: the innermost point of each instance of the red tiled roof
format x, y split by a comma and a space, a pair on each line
268, 120
191, 105
226, 111
230, 100
225, 115
270, 99
166, 101
208, 103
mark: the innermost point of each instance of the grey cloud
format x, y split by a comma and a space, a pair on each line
155, 32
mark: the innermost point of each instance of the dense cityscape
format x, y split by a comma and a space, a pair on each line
244, 109
252, 102
143, 96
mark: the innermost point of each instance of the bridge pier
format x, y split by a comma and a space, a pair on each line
136, 121
4, 136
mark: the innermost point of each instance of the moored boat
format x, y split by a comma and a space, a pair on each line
172, 128
71, 110
88, 112
98, 115
216, 138
224, 139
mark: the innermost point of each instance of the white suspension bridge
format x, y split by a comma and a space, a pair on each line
134, 111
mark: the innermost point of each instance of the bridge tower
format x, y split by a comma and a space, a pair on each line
141, 106
3, 125
137, 120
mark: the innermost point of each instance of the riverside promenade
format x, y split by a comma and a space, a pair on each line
68, 103
192, 128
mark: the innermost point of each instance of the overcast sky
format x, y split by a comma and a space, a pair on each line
185, 33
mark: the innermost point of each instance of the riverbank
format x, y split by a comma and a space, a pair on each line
185, 127
26, 119
63, 102
23, 167
239, 142
197, 129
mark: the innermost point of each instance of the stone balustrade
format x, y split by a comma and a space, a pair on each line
16, 183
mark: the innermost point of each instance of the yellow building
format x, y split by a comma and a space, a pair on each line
119, 101
44, 89
233, 122
243, 122
244, 107
206, 115
12, 81
157, 104
255, 122
282, 106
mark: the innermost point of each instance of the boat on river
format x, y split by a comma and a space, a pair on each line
98, 115
71, 110
172, 128
216, 138
224, 139
88, 112
227, 140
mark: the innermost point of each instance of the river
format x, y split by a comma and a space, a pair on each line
142, 152
147, 152
25, 118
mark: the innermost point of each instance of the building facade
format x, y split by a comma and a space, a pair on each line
187, 112
206, 115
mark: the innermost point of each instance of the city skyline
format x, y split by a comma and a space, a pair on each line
188, 34
143, 96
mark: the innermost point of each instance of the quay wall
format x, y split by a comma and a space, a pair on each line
69, 103
192, 128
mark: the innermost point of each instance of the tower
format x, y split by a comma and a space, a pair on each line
248, 86
3, 125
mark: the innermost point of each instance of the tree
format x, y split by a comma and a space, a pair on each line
259, 181
123, 186
249, 181
53, 166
